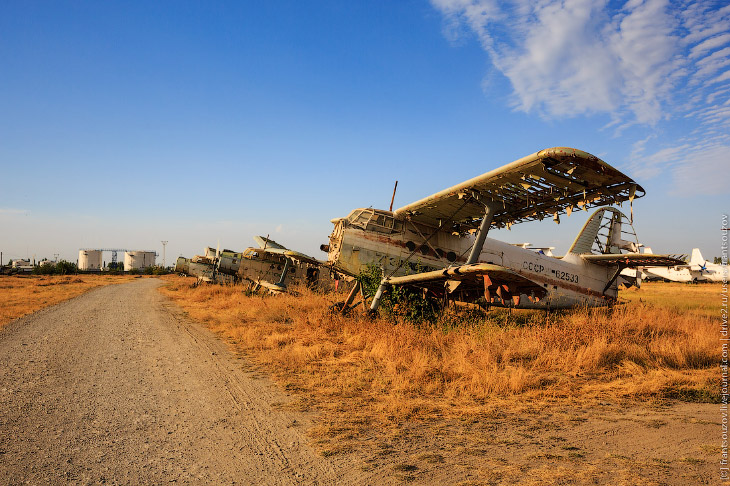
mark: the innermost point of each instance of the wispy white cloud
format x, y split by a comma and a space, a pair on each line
576, 57
642, 62
12, 211
704, 172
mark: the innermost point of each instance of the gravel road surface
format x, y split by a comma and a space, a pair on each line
117, 387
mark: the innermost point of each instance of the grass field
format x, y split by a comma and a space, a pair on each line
588, 396
21, 295
661, 344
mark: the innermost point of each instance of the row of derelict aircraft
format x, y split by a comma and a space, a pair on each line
439, 245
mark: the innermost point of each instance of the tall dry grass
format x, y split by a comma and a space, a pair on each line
21, 295
359, 370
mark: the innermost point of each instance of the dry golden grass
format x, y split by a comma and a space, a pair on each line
21, 295
360, 371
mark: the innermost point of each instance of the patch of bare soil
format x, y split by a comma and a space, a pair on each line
611, 444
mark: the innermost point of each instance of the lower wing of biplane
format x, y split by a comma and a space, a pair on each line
466, 283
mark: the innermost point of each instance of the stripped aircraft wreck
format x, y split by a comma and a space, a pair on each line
440, 245
269, 267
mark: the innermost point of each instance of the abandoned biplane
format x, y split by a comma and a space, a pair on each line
273, 267
439, 244
213, 266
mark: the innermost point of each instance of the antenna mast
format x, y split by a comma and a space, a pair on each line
393, 198
164, 247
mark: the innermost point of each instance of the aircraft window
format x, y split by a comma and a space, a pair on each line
362, 219
451, 256
424, 250
376, 227
410, 246
397, 226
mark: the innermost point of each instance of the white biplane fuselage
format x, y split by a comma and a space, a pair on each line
359, 240
440, 243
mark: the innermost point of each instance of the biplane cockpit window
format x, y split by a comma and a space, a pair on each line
384, 223
360, 217
374, 220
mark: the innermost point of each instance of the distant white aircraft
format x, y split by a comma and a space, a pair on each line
697, 270
542, 250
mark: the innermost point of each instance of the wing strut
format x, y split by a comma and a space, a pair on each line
476, 250
283, 273
620, 268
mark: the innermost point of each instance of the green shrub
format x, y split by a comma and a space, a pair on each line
399, 302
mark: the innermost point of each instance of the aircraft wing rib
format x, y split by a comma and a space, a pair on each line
550, 181
496, 283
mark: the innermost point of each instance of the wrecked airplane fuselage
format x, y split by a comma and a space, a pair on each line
278, 271
375, 237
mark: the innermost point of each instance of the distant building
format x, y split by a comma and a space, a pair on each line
23, 265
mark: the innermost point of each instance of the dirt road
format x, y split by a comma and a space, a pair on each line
116, 387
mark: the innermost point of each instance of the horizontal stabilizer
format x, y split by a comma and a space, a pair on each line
262, 241
633, 260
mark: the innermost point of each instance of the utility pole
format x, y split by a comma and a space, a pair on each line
164, 247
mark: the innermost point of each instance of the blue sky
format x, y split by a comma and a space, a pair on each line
127, 123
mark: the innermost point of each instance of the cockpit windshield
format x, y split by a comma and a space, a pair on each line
374, 220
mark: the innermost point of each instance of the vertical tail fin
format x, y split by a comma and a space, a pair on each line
696, 258
588, 234
603, 233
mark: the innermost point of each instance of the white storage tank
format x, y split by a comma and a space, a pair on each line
138, 260
90, 260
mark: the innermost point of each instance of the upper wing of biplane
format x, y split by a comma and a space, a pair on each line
633, 260
498, 284
549, 182
294, 255
274, 248
264, 242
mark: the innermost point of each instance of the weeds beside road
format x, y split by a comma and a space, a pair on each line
659, 345
22, 295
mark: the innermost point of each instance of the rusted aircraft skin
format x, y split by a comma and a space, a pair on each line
372, 236
257, 266
229, 262
182, 265
204, 271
